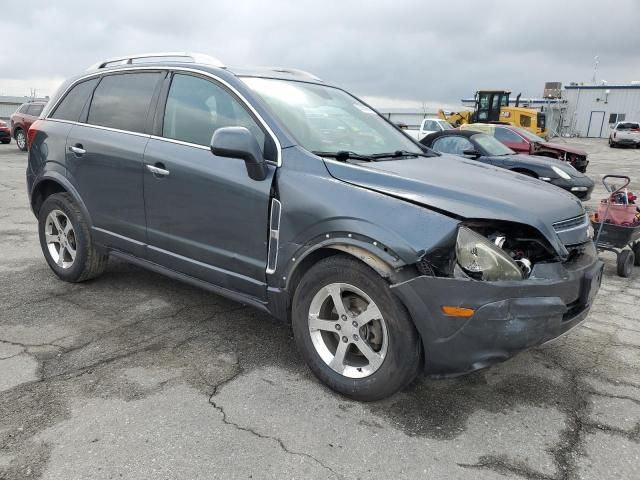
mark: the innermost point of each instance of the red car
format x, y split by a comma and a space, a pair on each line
22, 119
5, 132
523, 141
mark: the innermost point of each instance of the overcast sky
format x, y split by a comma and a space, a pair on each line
408, 50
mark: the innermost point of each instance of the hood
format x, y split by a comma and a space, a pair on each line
466, 189
563, 147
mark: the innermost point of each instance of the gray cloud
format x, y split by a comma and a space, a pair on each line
408, 49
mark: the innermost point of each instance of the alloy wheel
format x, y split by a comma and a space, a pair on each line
60, 238
21, 140
347, 330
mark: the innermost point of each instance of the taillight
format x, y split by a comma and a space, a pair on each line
33, 131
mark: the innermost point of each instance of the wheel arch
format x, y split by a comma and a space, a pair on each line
53, 183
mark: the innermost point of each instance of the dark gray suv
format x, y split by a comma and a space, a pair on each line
277, 190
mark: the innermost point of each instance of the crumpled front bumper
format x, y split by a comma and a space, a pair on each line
509, 316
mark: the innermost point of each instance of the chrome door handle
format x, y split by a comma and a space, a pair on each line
157, 170
77, 150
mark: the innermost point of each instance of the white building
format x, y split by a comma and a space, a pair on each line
593, 109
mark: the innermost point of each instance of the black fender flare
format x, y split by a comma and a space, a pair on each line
60, 179
369, 251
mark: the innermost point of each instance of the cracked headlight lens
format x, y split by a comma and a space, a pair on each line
560, 172
481, 258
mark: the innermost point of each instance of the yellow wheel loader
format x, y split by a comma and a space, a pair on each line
492, 106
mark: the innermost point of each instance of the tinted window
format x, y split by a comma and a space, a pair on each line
122, 101
197, 107
506, 135
452, 144
34, 110
72, 104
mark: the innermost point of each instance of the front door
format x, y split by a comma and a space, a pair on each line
205, 216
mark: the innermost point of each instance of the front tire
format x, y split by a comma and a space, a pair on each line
353, 333
66, 242
21, 139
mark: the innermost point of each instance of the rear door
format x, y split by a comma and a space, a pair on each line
205, 216
104, 157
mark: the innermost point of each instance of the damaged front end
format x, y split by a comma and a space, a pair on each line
499, 289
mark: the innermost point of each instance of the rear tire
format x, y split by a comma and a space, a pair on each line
66, 242
367, 348
21, 139
625, 262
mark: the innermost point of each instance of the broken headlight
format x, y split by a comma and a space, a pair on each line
482, 259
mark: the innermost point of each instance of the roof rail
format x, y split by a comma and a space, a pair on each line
295, 71
189, 57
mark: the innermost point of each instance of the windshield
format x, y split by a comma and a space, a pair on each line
628, 126
326, 119
492, 146
532, 137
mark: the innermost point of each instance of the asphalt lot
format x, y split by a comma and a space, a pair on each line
137, 376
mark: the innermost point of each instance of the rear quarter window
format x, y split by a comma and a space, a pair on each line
74, 101
122, 101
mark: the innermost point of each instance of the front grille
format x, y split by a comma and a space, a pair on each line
574, 223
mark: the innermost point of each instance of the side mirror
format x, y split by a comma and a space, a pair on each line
238, 142
470, 152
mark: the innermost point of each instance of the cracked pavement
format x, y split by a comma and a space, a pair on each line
133, 375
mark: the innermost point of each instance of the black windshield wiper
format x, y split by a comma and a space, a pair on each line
402, 153
344, 155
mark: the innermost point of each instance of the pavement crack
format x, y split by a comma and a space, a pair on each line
239, 372
501, 464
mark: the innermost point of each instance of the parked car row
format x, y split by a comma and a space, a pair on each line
523, 141
483, 148
387, 258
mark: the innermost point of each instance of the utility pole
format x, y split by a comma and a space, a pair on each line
596, 60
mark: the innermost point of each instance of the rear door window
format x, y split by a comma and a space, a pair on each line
74, 102
122, 101
34, 110
197, 107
